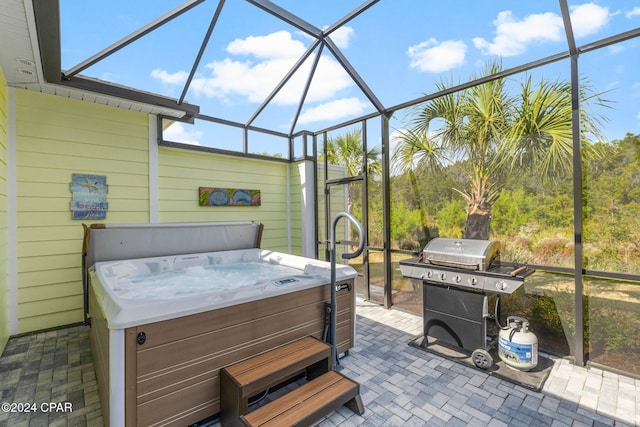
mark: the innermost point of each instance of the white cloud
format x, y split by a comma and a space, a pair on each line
436, 57
342, 37
177, 133
634, 12
334, 110
513, 36
278, 45
267, 60
179, 77
588, 18
256, 81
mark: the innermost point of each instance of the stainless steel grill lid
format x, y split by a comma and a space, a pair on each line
462, 253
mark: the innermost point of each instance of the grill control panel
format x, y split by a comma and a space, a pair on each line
487, 282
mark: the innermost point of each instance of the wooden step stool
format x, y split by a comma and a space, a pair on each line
308, 403
325, 391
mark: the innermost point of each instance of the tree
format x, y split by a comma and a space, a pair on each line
346, 150
489, 131
417, 151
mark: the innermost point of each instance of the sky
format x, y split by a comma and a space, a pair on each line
399, 48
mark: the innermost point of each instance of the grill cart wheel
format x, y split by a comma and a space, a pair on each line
482, 359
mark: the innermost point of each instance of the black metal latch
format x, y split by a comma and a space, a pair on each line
141, 338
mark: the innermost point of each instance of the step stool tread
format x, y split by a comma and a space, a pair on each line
307, 403
250, 377
293, 356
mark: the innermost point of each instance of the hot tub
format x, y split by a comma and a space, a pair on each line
162, 327
138, 291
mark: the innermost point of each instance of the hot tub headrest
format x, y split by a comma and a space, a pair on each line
110, 242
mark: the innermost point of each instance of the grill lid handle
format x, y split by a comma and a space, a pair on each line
447, 263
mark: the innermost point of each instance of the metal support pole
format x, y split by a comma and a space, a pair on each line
332, 256
577, 214
386, 211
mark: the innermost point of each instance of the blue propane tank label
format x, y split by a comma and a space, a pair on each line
517, 352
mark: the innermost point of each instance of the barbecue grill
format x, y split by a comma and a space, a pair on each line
457, 277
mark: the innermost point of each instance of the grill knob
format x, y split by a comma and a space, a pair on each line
443, 276
457, 278
429, 274
502, 286
474, 281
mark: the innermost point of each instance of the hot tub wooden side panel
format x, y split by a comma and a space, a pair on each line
171, 367
99, 340
177, 368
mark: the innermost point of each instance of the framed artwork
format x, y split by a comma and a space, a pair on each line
212, 196
89, 196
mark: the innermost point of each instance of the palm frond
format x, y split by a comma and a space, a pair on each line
415, 150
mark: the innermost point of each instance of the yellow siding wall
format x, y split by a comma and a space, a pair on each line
56, 137
182, 172
4, 322
295, 189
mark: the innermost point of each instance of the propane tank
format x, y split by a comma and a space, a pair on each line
517, 345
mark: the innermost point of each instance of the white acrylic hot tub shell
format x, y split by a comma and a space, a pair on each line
122, 313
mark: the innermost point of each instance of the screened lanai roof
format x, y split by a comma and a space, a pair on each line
291, 65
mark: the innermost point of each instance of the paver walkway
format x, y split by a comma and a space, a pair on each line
400, 385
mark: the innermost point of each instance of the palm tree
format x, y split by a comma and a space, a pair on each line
346, 150
416, 151
489, 131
